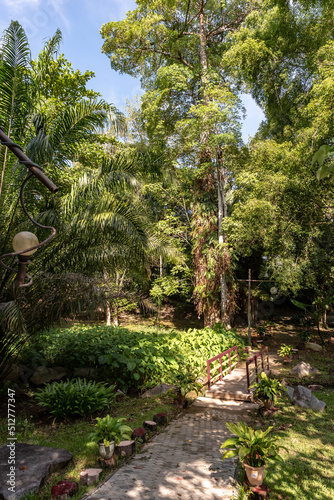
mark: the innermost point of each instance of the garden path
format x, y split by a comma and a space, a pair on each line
183, 461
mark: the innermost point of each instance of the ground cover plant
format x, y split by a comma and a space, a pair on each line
132, 359
75, 397
307, 471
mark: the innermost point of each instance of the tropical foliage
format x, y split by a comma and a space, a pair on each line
75, 397
136, 359
254, 447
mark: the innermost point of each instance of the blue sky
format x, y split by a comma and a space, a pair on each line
80, 22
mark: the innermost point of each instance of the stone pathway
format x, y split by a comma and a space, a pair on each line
183, 461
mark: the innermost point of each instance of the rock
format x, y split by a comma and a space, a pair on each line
13, 374
315, 387
290, 391
63, 490
25, 373
303, 370
304, 398
331, 340
125, 448
33, 464
84, 372
43, 375
159, 389
160, 418
150, 426
90, 476
139, 433
313, 346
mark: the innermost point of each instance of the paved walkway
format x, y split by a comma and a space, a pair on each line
184, 461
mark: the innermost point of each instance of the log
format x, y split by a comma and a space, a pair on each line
109, 462
160, 418
63, 490
125, 448
90, 476
150, 426
139, 433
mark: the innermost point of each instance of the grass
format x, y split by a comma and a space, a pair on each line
73, 436
307, 472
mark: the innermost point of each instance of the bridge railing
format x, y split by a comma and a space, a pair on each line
232, 361
258, 361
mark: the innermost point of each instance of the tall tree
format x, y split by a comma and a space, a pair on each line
191, 105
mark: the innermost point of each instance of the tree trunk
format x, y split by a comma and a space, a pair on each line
207, 294
222, 213
108, 313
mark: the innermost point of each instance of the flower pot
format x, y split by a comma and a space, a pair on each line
254, 474
106, 452
287, 358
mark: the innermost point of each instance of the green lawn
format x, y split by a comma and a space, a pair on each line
307, 472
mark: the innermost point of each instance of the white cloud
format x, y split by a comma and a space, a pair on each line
17, 5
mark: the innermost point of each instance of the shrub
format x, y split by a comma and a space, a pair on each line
305, 336
133, 359
75, 397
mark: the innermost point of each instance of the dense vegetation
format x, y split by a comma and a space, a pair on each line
166, 201
132, 359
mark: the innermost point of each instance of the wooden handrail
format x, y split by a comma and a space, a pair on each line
254, 359
219, 356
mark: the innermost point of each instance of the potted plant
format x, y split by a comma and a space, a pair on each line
254, 448
108, 433
286, 352
268, 390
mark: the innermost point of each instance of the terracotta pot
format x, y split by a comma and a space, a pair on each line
254, 475
106, 452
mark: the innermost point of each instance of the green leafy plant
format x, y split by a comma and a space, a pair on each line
315, 310
185, 382
285, 350
305, 336
132, 359
268, 389
110, 429
254, 447
75, 397
261, 331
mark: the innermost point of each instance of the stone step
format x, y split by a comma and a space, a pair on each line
230, 405
227, 395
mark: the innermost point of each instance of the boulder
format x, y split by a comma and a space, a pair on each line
290, 391
13, 374
159, 389
43, 375
313, 346
303, 397
33, 465
303, 370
